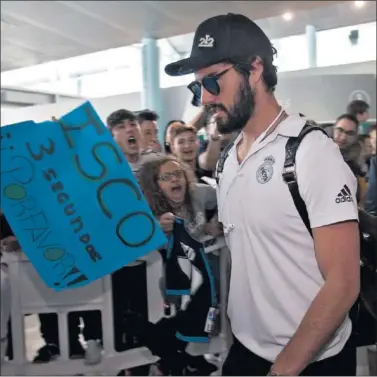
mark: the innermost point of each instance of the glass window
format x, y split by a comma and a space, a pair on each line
169, 53
119, 70
24, 77
110, 83
346, 52
100, 74
291, 53
65, 86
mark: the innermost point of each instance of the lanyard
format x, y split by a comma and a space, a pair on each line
271, 128
225, 153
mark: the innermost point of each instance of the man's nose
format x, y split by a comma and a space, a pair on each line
342, 136
207, 98
342, 139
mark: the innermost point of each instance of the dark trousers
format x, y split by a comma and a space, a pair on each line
129, 295
242, 362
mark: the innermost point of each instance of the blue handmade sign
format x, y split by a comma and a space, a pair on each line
71, 199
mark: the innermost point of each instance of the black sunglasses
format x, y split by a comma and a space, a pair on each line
209, 83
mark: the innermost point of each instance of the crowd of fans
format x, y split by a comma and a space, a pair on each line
356, 139
176, 177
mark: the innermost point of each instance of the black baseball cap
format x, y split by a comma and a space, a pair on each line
221, 38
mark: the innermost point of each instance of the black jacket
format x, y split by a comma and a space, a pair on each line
370, 199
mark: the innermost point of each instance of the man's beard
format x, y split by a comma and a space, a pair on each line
239, 114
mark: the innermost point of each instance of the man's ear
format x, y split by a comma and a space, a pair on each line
256, 71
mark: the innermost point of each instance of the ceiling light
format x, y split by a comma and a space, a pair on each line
359, 4
287, 16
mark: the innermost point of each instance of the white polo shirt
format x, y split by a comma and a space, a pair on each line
274, 274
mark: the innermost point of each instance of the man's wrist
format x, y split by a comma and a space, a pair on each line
282, 369
215, 137
272, 373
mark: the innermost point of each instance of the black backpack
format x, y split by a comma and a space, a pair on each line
364, 311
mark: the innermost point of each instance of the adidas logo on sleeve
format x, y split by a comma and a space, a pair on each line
344, 195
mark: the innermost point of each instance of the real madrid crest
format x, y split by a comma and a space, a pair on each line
266, 170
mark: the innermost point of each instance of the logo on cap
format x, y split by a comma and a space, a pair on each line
206, 41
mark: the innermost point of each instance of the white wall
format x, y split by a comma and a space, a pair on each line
303, 90
364, 68
175, 100
104, 106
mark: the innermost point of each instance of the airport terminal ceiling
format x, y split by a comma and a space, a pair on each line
34, 32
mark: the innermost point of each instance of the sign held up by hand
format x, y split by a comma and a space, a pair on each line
72, 200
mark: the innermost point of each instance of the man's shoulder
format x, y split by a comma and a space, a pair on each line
316, 139
144, 157
318, 152
149, 154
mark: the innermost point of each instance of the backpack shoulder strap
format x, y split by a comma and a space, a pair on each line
221, 161
289, 170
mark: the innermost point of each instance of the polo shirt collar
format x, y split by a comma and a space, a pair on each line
289, 127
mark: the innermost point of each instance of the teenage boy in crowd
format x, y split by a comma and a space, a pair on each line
147, 120
126, 131
360, 109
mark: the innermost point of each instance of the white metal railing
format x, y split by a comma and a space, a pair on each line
29, 294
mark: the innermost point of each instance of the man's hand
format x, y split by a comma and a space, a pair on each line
208, 159
167, 222
212, 130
